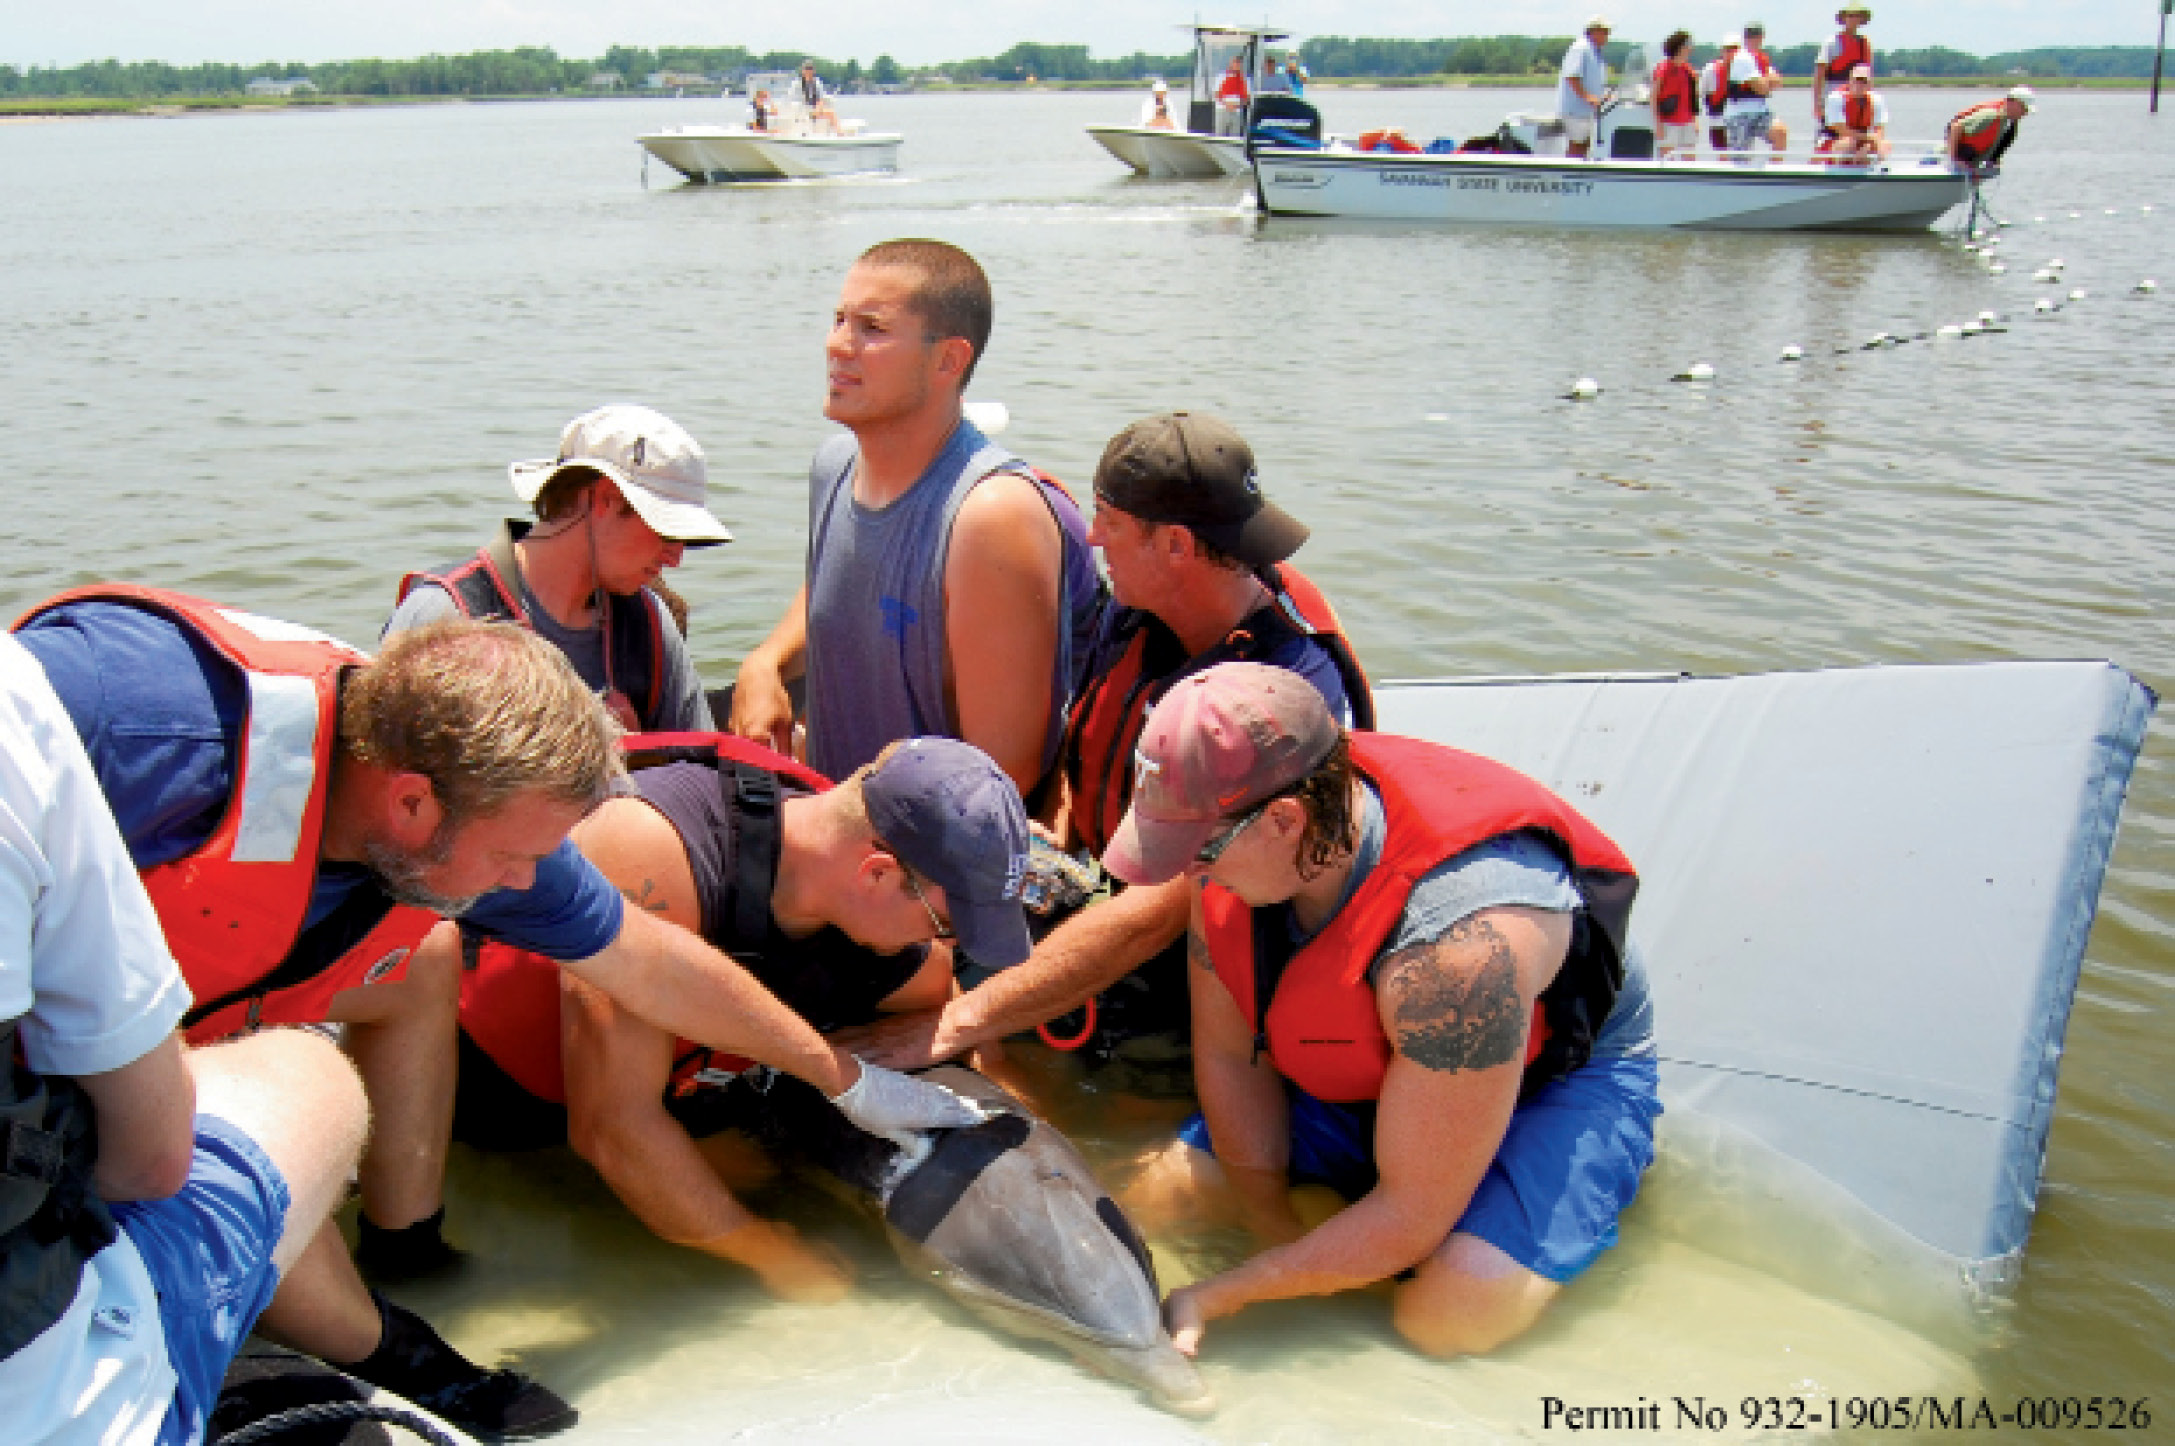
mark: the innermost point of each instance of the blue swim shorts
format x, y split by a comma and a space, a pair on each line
1569, 1165
209, 1252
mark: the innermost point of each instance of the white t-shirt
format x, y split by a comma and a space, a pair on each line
1582, 60
1745, 66
84, 966
1834, 113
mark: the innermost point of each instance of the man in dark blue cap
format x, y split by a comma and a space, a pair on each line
842, 901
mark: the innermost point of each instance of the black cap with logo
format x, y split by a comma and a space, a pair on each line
1193, 469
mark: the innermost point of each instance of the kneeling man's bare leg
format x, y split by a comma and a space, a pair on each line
1469, 1298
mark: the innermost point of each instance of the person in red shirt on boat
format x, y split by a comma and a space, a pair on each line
835, 898
1857, 119
1413, 984
1232, 98
1839, 55
1981, 135
1676, 98
1714, 91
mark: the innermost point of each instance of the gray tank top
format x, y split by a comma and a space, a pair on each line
876, 601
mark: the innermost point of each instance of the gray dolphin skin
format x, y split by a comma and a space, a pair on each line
1008, 1220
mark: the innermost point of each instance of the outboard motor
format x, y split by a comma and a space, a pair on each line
1283, 120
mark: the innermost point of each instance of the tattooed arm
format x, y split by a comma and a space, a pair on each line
659, 969
1456, 1012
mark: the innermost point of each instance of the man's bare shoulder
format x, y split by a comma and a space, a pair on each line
1005, 521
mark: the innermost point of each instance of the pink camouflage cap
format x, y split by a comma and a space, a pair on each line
1217, 743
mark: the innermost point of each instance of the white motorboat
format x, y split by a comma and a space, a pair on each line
1200, 151
795, 145
1524, 176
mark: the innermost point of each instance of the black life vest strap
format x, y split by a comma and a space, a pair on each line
751, 797
1274, 949
51, 1219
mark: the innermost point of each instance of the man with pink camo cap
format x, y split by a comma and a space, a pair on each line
1412, 983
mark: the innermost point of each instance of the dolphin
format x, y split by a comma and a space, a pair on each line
1008, 1220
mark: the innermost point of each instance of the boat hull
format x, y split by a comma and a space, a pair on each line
719, 153
1524, 190
1173, 155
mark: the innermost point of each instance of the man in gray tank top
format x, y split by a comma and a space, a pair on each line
948, 589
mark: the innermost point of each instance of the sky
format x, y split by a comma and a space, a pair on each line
37, 32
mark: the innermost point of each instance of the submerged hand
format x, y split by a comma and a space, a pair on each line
885, 1102
811, 1272
1185, 1319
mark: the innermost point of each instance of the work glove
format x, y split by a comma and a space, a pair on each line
899, 1106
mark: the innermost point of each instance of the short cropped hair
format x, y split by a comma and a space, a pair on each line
487, 712
951, 292
1674, 45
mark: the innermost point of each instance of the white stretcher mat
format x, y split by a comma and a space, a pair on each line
1864, 899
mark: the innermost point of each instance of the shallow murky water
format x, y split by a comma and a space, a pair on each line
282, 359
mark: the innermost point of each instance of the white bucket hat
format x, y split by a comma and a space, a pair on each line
657, 466
2024, 96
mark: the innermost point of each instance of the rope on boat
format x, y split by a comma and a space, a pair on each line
333, 1413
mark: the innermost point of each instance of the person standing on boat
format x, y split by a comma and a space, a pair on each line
1579, 86
1745, 112
303, 815
1714, 92
950, 588
1412, 984
1200, 574
808, 87
1676, 98
837, 898
1840, 55
760, 111
1981, 135
1857, 118
1155, 111
621, 502
150, 1195
1272, 76
1777, 134
1295, 73
1232, 98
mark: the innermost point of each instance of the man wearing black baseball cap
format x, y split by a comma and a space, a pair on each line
832, 898
1197, 561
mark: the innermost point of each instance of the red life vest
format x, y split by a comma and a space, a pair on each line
510, 997
1851, 51
233, 911
1732, 90
1858, 112
485, 587
1977, 149
1112, 706
1321, 1024
1676, 93
1719, 96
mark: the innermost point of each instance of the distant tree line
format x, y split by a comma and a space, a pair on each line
537, 70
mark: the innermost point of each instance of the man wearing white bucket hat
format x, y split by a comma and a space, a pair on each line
588, 573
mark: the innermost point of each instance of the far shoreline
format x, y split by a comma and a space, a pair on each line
28, 110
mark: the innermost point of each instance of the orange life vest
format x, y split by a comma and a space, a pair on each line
1676, 93
233, 911
1387, 140
1858, 112
1112, 706
1319, 1019
1977, 148
485, 586
510, 997
1851, 51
